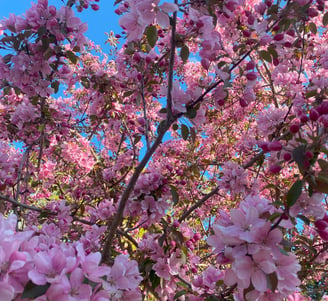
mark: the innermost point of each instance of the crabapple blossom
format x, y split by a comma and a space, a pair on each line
188, 161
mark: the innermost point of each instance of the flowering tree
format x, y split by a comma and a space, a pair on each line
188, 164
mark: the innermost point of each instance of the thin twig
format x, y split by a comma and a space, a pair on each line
18, 204
171, 67
145, 113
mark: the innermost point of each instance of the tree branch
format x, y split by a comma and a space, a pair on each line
112, 228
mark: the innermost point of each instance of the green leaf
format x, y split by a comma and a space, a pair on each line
272, 50
191, 113
266, 56
325, 19
212, 298
71, 56
137, 139
32, 291
175, 195
323, 164
179, 294
272, 281
311, 93
294, 193
184, 132
152, 35
161, 126
184, 53
298, 156
55, 86
313, 28
154, 279
321, 182
304, 219
274, 216
183, 284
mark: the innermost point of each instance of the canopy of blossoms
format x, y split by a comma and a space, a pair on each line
188, 163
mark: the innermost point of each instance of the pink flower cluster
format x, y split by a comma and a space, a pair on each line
234, 179
61, 271
9, 162
149, 200
253, 249
143, 13
45, 30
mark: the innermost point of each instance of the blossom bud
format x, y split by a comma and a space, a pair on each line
291, 32
95, 7
323, 234
294, 128
250, 65
287, 156
264, 146
246, 33
205, 63
251, 75
314, 115
321, 224
176, 223
275, 61
304, 118
197, 236
309, 154
312, 12
278, 37
243, 102
275, 146
221, 102
275, 169
141, 121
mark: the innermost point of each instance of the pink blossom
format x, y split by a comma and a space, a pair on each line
162, 269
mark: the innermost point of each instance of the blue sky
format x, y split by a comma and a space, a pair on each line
99, 22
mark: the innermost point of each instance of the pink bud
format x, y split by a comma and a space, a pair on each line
312, 12
246, 33
294, 128
199, 24
141, 121
264, 146
275, 61
291, 32
95, 7
275, 146
250, 65
251, 19
304, 118
221, 102
287, 156
275, 169
314, 115
309, 154
288, 44
176, 223
323, 234
197, 236
278, 37
251, 75
243, 102
205, 63
321, 224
